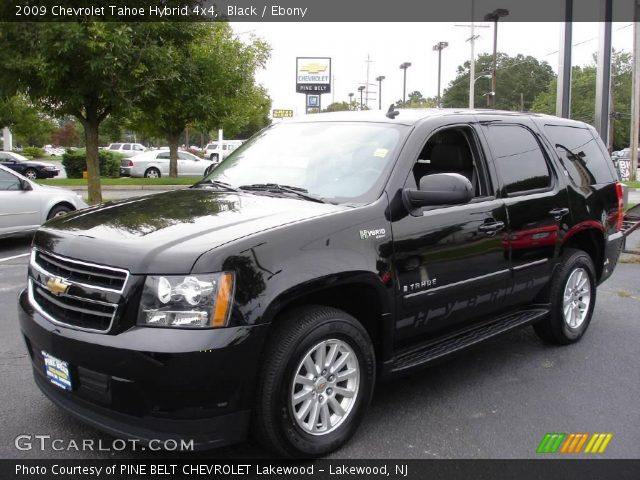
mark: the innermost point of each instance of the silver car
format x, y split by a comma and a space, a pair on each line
155, 164
25, 205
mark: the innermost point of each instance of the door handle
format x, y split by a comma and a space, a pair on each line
558, 213
491, 228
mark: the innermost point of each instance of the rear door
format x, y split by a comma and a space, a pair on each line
537, 205
19, 209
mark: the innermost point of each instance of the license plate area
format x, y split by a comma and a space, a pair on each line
57, 371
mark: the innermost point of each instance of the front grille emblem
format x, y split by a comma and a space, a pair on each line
57, 286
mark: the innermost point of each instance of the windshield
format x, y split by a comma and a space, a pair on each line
340, 162
19, 157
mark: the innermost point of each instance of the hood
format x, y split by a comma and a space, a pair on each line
166, 233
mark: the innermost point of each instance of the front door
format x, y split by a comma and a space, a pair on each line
452, 262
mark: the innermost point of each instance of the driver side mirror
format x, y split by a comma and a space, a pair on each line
439, 189
25, 186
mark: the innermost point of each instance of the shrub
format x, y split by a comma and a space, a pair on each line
75, 162
33, 152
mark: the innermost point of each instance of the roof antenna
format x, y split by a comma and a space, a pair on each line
392, 113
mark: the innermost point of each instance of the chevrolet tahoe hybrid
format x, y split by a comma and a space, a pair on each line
322, 255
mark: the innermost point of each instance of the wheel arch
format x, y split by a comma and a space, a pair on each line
588, 237
59, 203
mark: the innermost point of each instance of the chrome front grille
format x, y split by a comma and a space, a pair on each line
76, 294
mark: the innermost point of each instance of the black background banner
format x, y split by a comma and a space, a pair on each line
197, 469
307, 10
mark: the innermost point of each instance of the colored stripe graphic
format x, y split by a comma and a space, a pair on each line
573, 443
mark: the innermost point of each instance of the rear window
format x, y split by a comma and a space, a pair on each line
580, 154
115, 146
518, 159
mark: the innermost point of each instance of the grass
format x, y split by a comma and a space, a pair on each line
632, 183
81, 182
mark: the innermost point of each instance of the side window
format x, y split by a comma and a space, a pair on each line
115, 146
451, 150
4, 158
9, 182
518, 158
138, 147
184, 156
163, 156
580, 155
126, 146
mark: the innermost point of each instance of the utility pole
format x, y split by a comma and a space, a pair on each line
350, 100
563, 95
494, 17
361, 89
379, 80
404, 66
472, 61
369, 62
635, 96
438, 47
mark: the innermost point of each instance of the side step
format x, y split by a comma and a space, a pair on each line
434, 350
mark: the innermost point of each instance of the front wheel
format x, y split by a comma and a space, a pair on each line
573, 298
31, 173
58, 210
315, 384
152, 173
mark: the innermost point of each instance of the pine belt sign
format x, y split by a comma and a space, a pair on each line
313, 75
280, 113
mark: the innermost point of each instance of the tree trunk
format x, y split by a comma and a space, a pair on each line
93, 164
173, 140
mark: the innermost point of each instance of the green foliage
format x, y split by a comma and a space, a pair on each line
66, 136
33, 152
28, 125
75, 162
416, 100
338, 107
514, 75
583, 95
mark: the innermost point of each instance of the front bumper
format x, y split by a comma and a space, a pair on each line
152, 383
48, 173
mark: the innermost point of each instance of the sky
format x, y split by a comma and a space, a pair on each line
390, 44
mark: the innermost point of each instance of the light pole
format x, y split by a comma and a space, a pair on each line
438, 47
404, 67
361, 89
379, 80
350, 100
494, 17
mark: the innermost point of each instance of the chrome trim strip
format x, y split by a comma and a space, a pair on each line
86, 285
60, 304
39, 309
455, 284
80, 299
531, 264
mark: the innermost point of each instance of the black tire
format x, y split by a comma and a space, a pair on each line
554, 329
152, 172
214, 157
59, 210
31, 173
291, 340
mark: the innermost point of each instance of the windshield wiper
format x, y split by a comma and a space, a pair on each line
277, 188
217, 183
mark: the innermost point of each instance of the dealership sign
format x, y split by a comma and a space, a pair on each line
280, 113
313, 75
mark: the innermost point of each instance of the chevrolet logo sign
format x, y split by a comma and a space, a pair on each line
313, 68
57, 286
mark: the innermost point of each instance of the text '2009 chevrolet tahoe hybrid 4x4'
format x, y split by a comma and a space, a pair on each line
323, 254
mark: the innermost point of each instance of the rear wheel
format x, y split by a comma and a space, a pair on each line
572, 297
152, 173
214, 157
31, 173
59, 210
315, 384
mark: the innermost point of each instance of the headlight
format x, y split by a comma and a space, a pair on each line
187, 301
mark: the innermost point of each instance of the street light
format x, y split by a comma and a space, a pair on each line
494, 17
350, 100
404, 67
438, 47
379, 80
361, 89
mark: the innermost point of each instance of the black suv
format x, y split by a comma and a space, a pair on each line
324, 254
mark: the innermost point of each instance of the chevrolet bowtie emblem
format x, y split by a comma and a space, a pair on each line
313, 68
57, 286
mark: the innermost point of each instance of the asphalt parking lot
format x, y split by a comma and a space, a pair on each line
496, 401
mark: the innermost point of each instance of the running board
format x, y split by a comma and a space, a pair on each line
431, 351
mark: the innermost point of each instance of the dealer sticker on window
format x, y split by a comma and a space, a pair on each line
57, 371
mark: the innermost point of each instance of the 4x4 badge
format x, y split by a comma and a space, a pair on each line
57, 286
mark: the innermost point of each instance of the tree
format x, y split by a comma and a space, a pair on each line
87, 69
28, 125
516, 76
66, 135
583, 95
212, 86
338, 107
416, 100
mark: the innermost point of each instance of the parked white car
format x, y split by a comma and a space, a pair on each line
155, 164
25, 205
127, 149
213, 152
